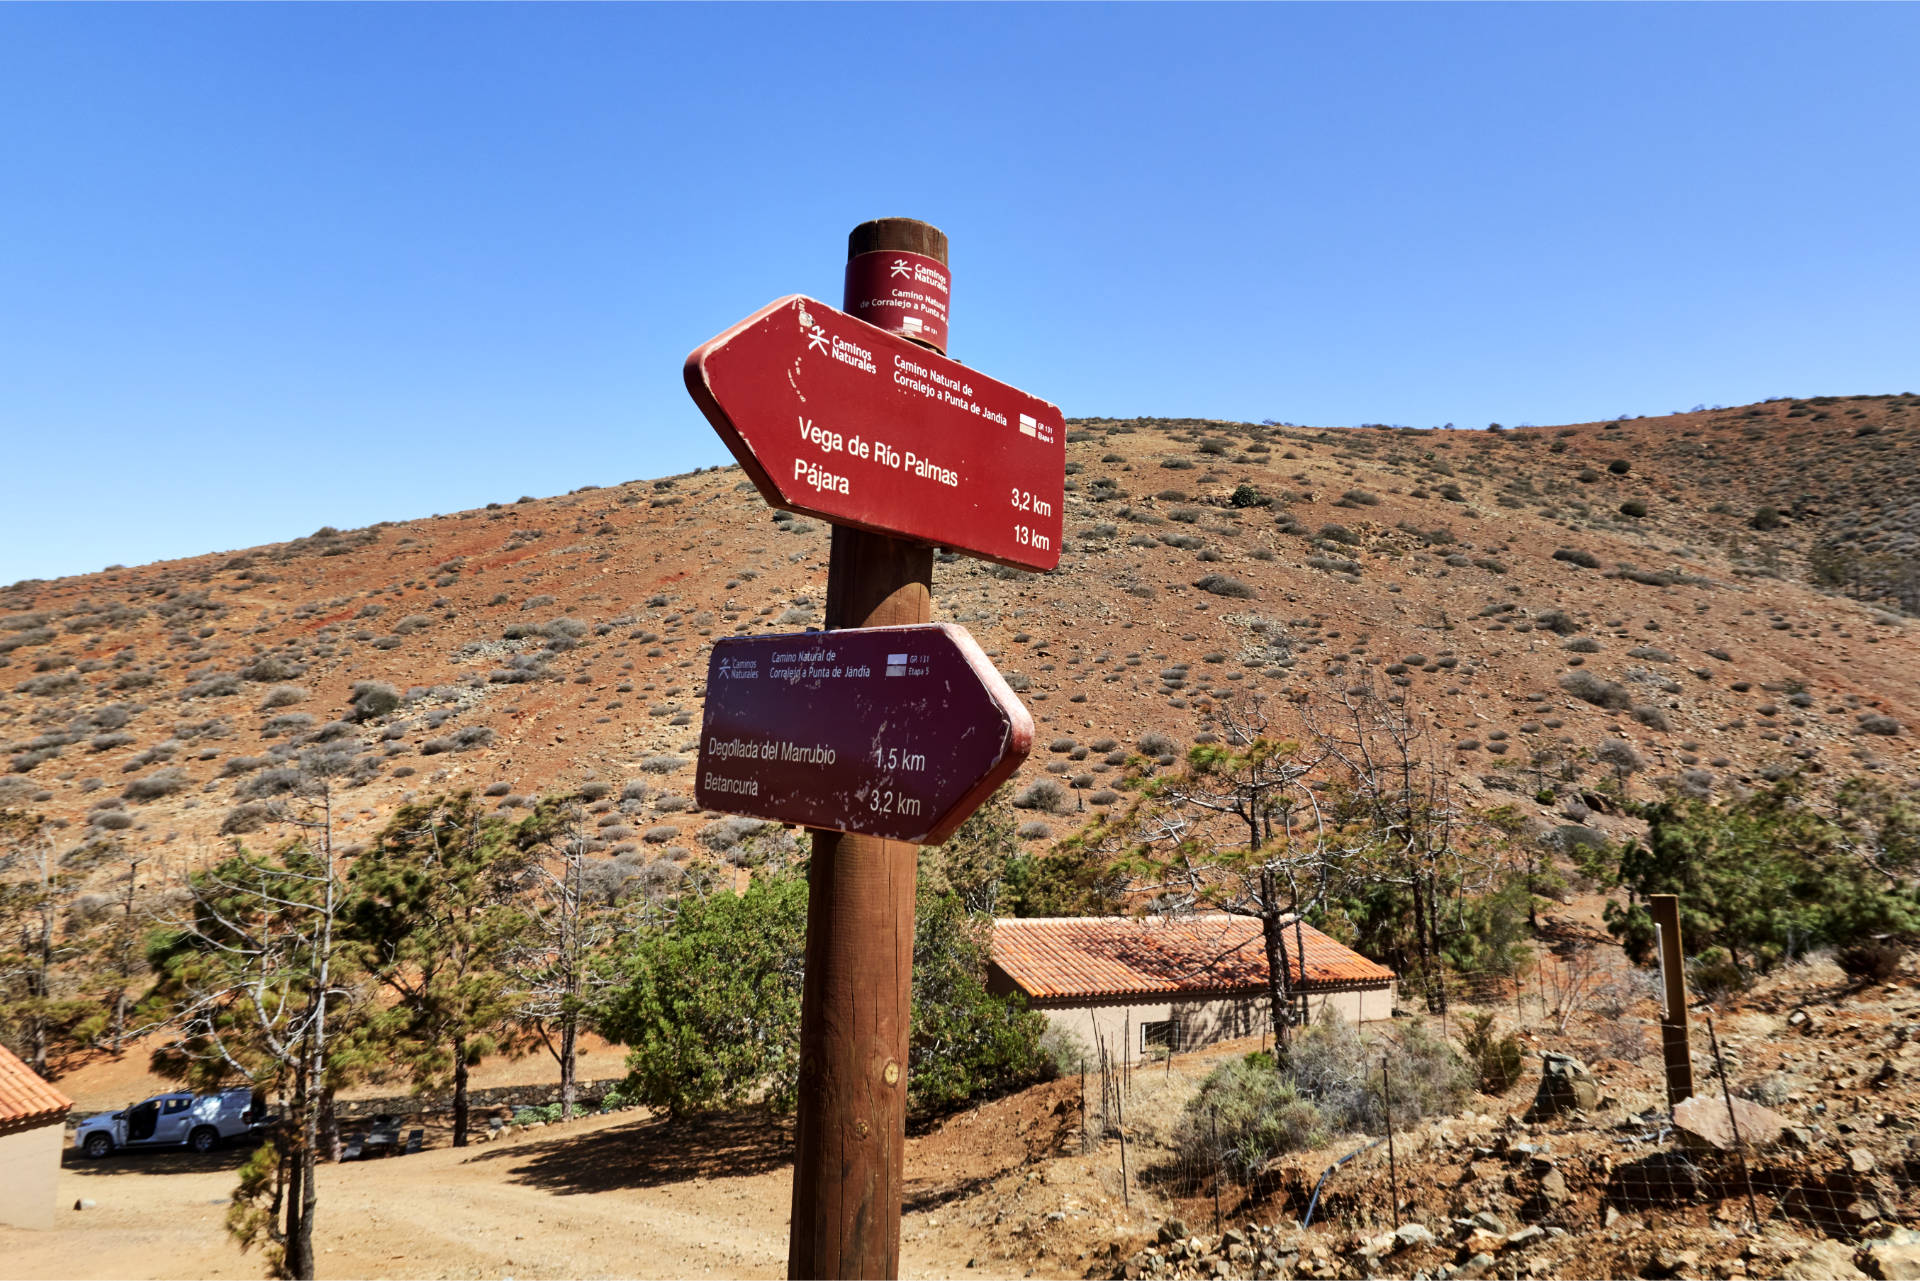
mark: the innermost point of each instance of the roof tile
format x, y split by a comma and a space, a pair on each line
1120, 956
25, 1099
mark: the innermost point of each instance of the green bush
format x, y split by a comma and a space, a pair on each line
1714, 974
1068, 882
966, 1042
1244, 1115
1768, 874
710, 1006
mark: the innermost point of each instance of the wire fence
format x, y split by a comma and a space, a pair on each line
1502, 1173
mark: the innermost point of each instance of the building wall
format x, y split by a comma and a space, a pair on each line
1366, 1006
29, 1171
1194, 1023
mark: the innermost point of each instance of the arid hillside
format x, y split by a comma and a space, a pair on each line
1678, 583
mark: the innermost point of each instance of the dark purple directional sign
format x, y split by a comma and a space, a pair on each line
898, 732
835, 418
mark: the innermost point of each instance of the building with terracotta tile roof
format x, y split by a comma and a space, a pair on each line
32, 1132
1145, 986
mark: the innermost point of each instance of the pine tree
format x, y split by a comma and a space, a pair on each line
255, 982
552, 959
44, 1015
433, 919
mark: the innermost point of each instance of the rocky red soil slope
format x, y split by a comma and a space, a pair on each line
1528, 591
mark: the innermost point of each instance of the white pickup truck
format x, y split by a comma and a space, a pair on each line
201, 1122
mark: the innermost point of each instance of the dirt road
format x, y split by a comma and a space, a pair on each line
606, 1197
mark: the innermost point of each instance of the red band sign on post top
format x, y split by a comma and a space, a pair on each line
898, 732
835, 418
901, 292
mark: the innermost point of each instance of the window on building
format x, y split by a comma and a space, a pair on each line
1156, 1036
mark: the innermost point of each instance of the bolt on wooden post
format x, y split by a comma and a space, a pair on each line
851, 1136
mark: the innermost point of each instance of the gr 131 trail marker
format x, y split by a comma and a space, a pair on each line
898, 732
901, 292
839, 419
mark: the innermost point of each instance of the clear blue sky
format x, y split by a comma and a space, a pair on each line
266, 268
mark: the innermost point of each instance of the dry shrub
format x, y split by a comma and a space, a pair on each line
1596, 690
1044, 795
1498, 1062
160, 783
1875, 962
1624, 1040
1223, 585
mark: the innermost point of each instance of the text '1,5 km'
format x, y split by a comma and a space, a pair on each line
836, 418
888, 731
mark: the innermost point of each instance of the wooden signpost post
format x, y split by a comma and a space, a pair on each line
858, 417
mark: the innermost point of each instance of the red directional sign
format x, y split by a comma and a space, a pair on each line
836, 418
898, 732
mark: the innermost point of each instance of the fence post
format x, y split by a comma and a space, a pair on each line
1393, 1168
1733, 1122
1126, 1197
1673, 1020
1109, 1088
1213, 1119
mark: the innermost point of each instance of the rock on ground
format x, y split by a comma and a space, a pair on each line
1703, 1123
1565, 1086
1826, 1261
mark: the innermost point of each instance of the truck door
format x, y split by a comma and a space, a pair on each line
141, 1120
176, 1116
